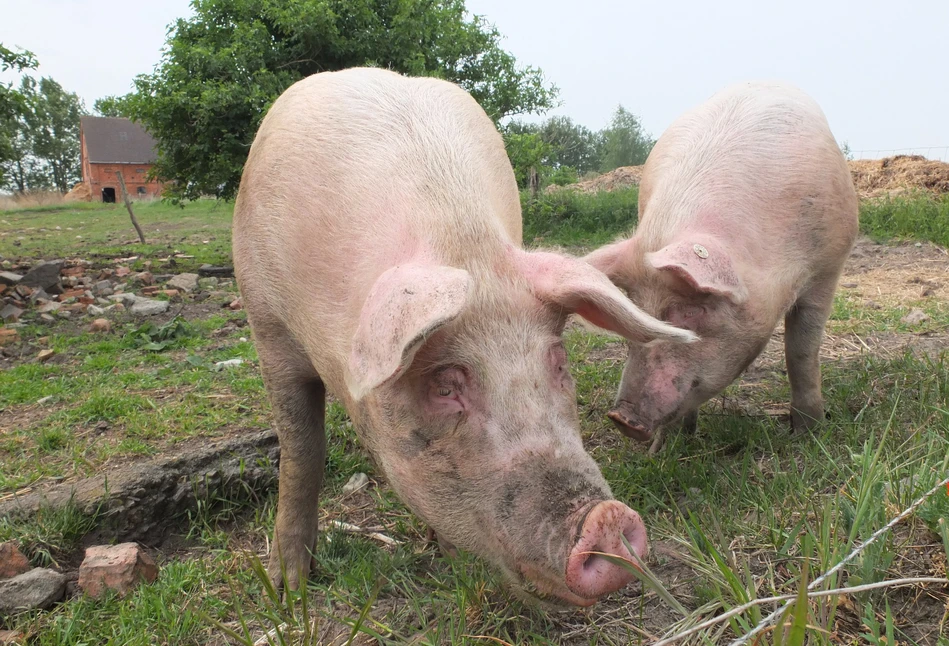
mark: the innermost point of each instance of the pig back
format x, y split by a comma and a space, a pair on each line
352, 173
758, 166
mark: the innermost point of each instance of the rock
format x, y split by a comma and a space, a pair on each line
72, 271
926, 291
236, 305
149, 307
126, 299
211, 270
48, 318
39, 295
10, 314
44, 400
115, 567
45, 355
102, 286
95, 310
184, 282
101, 325
37, 589
9, 278
151, 290
23, 291
356, 482
12, 637
51, 306
45, 274
208, 283
849, 285
8, 335
143, 278
122, 272
915, 317
230, 363
12, 561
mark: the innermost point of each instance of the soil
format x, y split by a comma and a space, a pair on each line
871, 177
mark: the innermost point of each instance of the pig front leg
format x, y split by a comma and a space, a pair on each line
803, 332
298, 398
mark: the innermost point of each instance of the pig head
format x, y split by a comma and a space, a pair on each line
469, 378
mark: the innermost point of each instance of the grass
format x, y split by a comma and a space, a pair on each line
741, 511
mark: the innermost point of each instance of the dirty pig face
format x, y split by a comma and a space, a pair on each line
484, 446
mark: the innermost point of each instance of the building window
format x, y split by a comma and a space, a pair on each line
139, 170
141, 190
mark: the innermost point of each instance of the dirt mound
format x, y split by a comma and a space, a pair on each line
622, 177
894, 175
79, 193
871, 177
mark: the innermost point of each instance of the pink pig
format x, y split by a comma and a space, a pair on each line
377, 244
747, 214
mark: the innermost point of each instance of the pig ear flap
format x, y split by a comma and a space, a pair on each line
701, 267
581, 289
611, 259
405, 306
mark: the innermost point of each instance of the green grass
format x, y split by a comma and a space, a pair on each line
742, 510
919, 216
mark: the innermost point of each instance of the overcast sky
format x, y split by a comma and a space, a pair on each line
879, 69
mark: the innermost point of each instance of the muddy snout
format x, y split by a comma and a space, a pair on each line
589, 574
628, 424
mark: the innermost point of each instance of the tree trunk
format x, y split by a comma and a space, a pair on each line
128, 205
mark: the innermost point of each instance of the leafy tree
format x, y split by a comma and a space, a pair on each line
625, 143
573, 145
112, 106
224, 66
528, 154
12, 105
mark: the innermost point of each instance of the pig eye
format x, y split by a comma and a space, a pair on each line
445, 392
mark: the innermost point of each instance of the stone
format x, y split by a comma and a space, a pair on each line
149, 307
12, 637
183, 282
71, 293
236, 305
122, 272
10, 314
101, 325
211, 270
115, 567
48, 318
51, 306
151, 290
170, 293
72, 271
143, 278
915, 317
39, 589
208, 283
38, 295
356, 482
230, 363
45, 355
45, 274
95, 310
8, 335
9, 278
126, 299
12, 560
102, 286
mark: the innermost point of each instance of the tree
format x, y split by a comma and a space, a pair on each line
573, 145
529, 155
625, 143
53, 124
224, 66
12, 105
111, 106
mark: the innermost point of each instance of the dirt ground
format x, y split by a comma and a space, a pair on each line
871, 177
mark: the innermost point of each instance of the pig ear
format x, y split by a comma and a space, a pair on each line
404, 307
703, 266
579, 288
611, 258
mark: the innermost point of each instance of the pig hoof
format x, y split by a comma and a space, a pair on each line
658, 442
628, 428
805, 421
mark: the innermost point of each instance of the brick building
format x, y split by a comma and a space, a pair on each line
112, 144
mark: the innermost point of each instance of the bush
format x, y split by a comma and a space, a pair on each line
919, 216
572, 218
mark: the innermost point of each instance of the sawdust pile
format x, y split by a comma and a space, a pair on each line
79, 193
871, 177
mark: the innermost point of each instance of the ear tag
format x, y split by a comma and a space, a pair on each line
700, 251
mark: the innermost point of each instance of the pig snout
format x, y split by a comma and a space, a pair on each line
628, 423
589, 574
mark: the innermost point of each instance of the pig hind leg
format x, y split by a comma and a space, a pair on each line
298, 399
803, 333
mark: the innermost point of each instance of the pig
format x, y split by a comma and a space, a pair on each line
747, 214
377, 247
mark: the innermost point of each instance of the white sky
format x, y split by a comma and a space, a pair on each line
879, 69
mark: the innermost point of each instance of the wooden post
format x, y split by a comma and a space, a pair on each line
128, 205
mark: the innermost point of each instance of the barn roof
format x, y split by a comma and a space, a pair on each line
114, 140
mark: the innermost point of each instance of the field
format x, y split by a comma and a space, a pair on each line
743, 510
